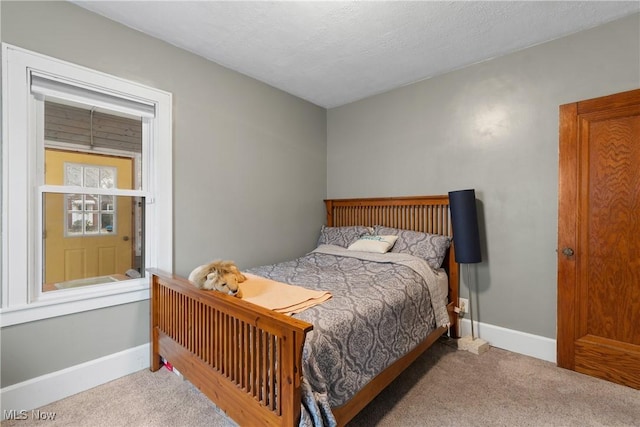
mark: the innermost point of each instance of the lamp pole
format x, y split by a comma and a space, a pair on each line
473, 335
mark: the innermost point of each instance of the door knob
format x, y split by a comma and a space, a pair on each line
125, 238
567, 252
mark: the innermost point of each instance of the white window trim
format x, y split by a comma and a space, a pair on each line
21, 297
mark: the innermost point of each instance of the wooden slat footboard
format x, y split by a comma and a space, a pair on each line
243, 357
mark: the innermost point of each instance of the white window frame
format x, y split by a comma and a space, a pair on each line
21, 296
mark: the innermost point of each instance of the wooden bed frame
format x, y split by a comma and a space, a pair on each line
248, 359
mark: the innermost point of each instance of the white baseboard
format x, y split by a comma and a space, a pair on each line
508, 339
49, 388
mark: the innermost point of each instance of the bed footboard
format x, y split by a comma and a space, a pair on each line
245, 358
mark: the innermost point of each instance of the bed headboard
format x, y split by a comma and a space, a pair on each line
429, 214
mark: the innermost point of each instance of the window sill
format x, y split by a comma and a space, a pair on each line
60, 303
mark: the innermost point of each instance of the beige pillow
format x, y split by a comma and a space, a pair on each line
377, 244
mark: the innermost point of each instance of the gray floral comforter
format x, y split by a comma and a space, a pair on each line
383, 305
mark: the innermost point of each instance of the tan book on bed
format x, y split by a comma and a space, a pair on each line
280, 297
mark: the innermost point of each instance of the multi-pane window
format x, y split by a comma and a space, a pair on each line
90, 214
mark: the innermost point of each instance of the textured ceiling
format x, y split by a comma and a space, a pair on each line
333, 53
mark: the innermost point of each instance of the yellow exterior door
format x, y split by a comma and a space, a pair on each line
87, 235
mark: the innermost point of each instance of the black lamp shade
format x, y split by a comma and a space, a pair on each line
464, 220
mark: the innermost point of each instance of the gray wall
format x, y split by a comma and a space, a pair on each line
494, 127
37, 348
249, 171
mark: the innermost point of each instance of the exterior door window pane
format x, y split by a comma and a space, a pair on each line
91, 177
73, 174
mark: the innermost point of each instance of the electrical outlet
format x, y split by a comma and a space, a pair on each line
463, 303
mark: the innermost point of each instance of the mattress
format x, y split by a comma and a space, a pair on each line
382, 306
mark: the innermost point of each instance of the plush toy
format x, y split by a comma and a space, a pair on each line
222, 276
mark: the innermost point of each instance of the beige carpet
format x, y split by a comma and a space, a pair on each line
444, 387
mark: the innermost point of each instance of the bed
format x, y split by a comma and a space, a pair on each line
249, 360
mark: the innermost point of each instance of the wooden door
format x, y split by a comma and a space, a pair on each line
73, 250
599, 238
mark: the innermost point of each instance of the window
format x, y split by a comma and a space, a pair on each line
87, 187
89, 214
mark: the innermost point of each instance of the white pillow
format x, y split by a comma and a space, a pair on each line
377, 244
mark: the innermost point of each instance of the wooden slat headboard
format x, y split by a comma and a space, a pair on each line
428, 214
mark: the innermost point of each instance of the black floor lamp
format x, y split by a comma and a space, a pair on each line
466, 238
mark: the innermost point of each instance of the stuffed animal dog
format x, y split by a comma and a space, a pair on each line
222, 276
